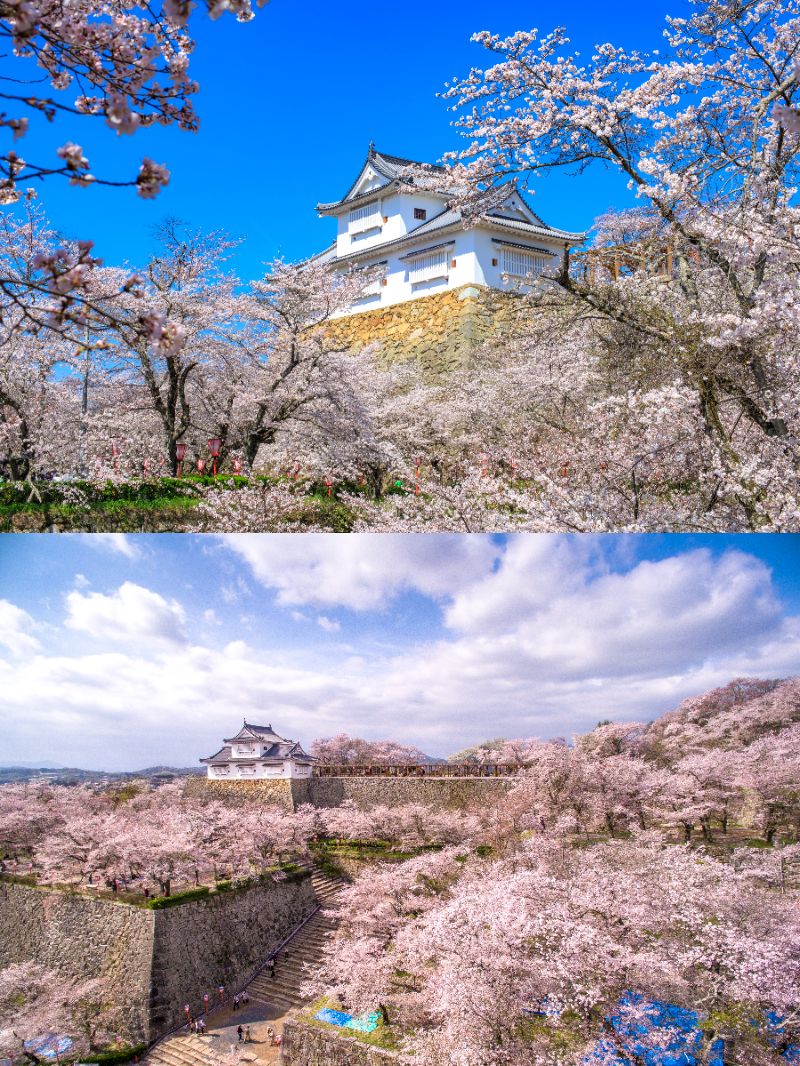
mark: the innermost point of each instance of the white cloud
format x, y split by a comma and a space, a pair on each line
544, 637
116, 543
130, 613
362, 571
330, 625
210, 617
16, 630
82, 581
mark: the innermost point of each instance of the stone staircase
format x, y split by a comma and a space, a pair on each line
280, 993
301, 953
182, 1050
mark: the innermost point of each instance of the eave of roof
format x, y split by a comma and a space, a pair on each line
450, 219
389, 167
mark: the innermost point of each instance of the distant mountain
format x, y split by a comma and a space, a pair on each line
68, 775
32, 766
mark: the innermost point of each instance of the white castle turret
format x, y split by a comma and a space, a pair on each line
257, 752
389, 220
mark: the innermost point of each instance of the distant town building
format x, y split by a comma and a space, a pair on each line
257, 752
421, 244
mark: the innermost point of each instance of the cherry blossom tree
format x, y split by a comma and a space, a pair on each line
556, 954
342, 749
36, 1002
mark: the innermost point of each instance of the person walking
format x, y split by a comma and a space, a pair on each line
271, 1035
240, 1033
247, 1034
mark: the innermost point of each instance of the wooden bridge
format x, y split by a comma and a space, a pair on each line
428, 769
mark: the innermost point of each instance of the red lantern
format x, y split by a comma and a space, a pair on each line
215, 447
221, 992
146, 466
237, 466
201, 465
205, 999
329, 483
180, 455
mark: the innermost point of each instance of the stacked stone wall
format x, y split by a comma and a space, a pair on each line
219, 941
153, 961
365, 792
306, 1045
278, 793
80, 937
439, 332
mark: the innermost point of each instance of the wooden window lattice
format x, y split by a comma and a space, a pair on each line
429, 267
522, 264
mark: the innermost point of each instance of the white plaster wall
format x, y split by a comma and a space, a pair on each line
473, 251
398, 209
487, 250
262, 772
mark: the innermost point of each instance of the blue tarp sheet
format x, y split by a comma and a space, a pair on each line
364, 1023
679, 1036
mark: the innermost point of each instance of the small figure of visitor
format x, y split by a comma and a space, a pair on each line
201, 1026
240, 1031
247, 1034
236, 1001
271, 1035
272, 968
244, 997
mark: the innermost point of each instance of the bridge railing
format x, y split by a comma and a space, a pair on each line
447, 769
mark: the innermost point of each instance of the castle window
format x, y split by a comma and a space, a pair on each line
429, 267
420, 213
365, 218
521, 264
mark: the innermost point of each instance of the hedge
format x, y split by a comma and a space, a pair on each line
122, 1054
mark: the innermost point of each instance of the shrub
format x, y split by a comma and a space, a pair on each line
191, 894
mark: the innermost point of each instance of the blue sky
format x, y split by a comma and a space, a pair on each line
288, 105
122, 652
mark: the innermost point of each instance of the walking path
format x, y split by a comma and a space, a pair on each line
271, 998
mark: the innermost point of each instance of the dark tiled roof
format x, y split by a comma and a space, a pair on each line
388, 166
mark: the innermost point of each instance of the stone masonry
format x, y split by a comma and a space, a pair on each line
306, 1045
440, 331
365, 792
155, 961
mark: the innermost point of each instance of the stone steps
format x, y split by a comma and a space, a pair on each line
182, 1050
293, 964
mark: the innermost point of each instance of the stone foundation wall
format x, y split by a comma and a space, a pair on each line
440, 331
306, 1045
154, 961
271, 792
219, 941
80, 937
366, 792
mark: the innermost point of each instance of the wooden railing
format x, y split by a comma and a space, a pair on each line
428, 769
